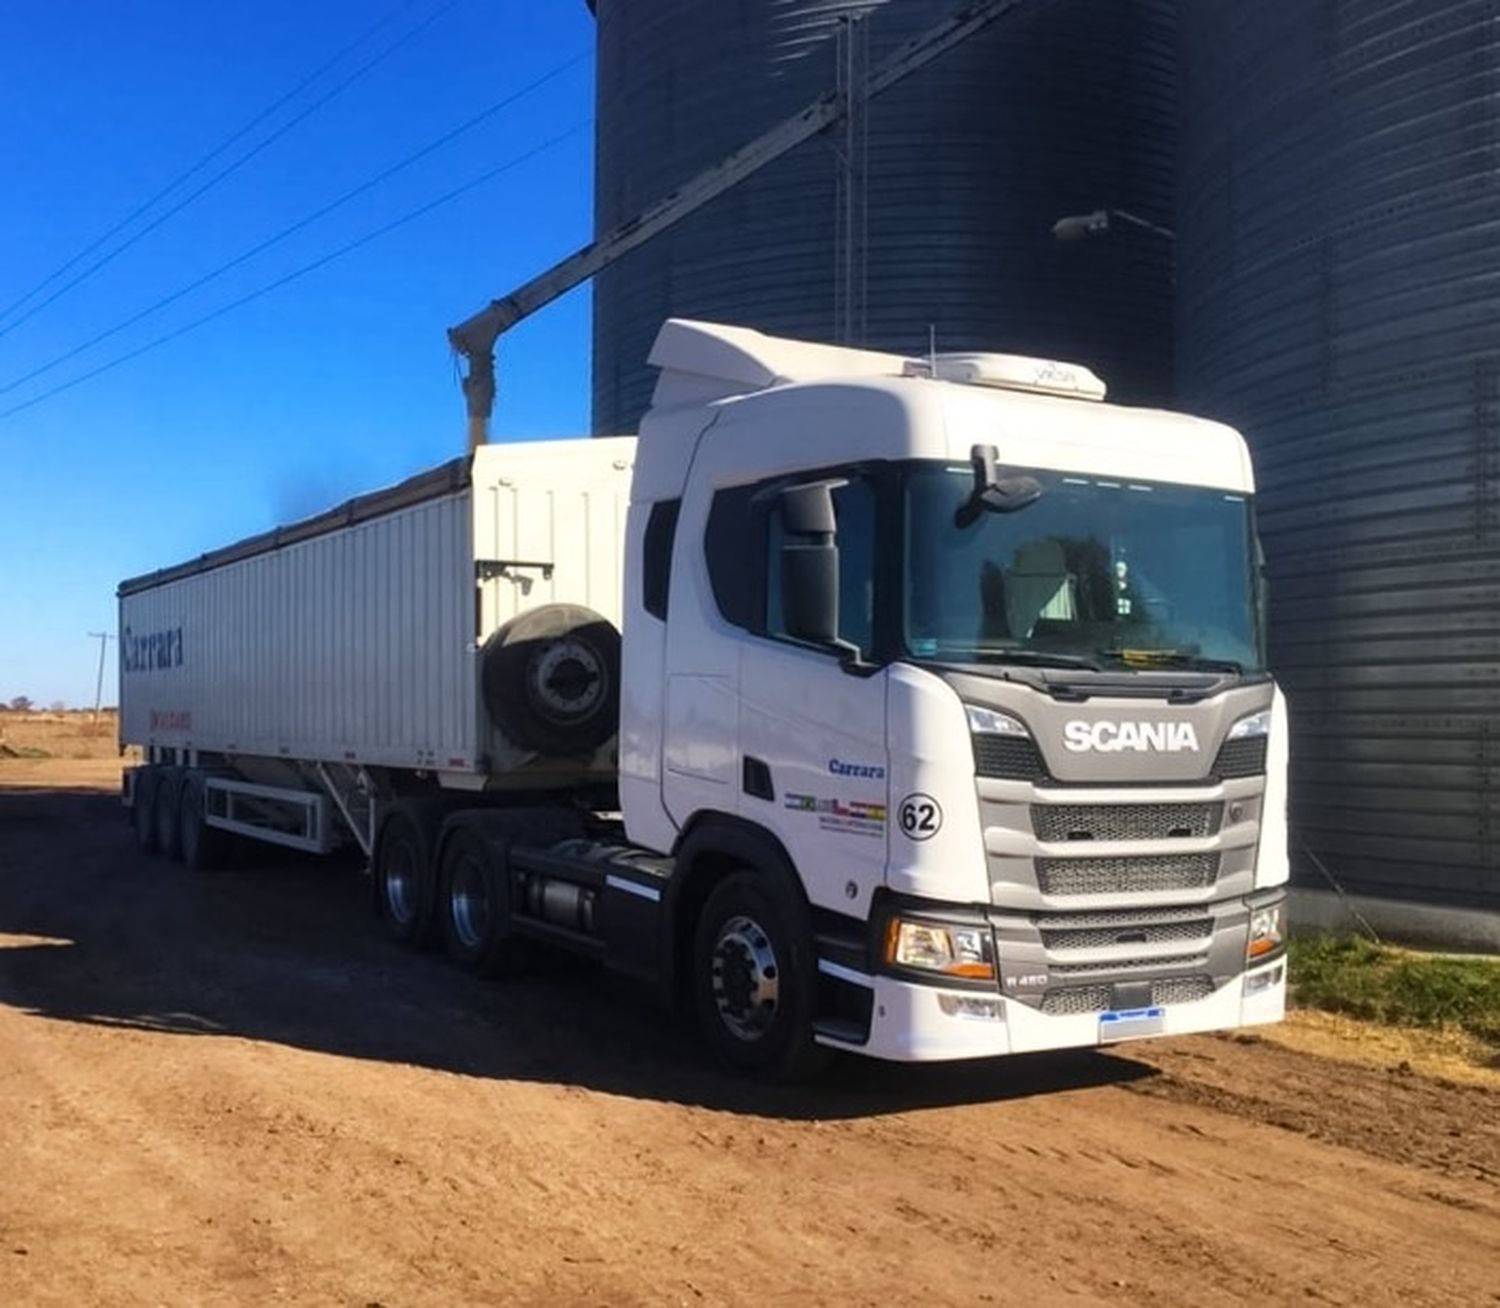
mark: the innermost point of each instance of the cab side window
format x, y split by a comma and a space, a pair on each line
661, 532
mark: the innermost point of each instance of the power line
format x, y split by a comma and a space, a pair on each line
208, 158
296, 273
452, 134
337, 89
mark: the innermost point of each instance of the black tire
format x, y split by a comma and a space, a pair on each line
204, 848
754, 973
143, 809
551, 680
474, 902
165, 809
403, 880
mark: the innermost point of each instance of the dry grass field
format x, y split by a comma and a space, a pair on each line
72, 735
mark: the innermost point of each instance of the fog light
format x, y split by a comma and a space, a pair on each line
987, 1010
1264, 979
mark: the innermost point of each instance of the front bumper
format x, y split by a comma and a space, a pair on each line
910, 1022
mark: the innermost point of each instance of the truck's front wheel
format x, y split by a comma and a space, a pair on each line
753, 976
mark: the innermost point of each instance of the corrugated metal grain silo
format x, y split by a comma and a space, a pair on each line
1060, 108
1338, 222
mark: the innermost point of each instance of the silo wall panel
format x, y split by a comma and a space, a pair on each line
1339, 207
1058, 109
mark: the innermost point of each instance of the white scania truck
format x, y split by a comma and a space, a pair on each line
911, 707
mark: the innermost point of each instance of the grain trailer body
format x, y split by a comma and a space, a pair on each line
355, 640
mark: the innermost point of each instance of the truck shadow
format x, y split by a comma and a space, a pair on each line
287, 951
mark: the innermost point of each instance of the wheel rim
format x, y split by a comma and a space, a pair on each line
569, 680
401, 883
469, 902
746, 978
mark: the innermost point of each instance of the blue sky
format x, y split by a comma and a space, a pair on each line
334, 384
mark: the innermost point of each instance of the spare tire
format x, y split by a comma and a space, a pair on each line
551, 679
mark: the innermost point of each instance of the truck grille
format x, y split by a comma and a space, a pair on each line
1240, 758
1066, 1000
1106, 930
1123, 876
1008, 758
1128, 965
1181, 989
1077, 999
1013, 758
1056, 822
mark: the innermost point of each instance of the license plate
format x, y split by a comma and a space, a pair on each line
1128, 1023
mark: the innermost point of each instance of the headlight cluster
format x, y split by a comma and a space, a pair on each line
987, 722
964, 952
1267, 931
1248, 728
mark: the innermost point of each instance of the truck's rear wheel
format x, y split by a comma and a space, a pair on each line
403, 881
143, 809
753, 977
203, 847
166, 813
475, 898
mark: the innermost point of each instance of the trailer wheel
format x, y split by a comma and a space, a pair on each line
551, 679
475, 896
143, 809
203, 847
166, 811
403, 881
753, 977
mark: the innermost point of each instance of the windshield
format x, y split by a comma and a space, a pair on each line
1094, 573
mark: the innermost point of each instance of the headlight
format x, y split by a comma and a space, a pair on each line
1257, 724
1267, 931
987, 722
957, 951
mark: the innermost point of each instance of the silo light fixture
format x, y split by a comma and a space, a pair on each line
1081, 226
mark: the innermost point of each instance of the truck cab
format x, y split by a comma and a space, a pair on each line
978, 659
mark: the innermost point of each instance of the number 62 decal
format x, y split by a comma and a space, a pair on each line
920, 816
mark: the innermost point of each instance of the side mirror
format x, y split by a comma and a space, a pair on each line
993, 493
809, 564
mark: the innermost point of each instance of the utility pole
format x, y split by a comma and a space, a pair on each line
103, 637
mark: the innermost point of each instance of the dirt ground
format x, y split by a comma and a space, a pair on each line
229, 1089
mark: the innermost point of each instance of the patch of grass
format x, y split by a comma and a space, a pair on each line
1348, 974
22, 751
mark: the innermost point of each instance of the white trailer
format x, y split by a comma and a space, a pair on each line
915, 708
360, 639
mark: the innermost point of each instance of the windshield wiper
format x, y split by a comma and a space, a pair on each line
1036, 658
1145, 659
